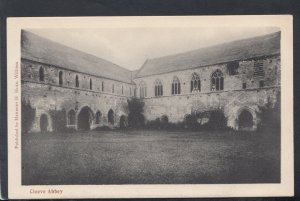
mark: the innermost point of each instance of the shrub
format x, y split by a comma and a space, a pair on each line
191, 122
102, 128
217, 121
270, 115
164, 122
136, 108
197, 121
58, 120
28, 115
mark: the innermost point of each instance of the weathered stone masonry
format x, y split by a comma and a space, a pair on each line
237, 78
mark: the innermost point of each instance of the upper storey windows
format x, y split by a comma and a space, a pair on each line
143, 89
217, 81
176, 86
76, 81
60, 78
158, 89
41, 74
195, 83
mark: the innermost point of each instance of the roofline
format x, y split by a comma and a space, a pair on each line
82, 52
216, 45
63, 68
266, 56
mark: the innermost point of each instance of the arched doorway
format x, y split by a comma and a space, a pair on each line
110, 117
44, 123
245, 120
123, 121
84, 118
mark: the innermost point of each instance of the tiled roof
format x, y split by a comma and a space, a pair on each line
232, 51
43, 50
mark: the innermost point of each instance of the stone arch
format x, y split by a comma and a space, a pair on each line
71, 115
217, 80
195, 83
111, 117
158, 88
45, 123
176, 88
98, 116
246, 119
123, 121
143, 89
84, 118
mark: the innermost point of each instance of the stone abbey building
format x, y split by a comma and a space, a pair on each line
237, 77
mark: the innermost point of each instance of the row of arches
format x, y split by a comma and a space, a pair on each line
85, 119
217, 84
245, 119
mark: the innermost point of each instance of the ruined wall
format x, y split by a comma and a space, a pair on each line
232, 100
49, 95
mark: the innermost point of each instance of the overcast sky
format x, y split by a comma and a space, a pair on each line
130, 47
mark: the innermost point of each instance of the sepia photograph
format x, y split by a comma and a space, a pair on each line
150, 105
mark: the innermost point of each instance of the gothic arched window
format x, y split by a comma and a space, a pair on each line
60, 77
76, 81
41, 74
91, 84
143, 89
158, 88
102, 86
217, 81
176, 86
195, 83
71, 117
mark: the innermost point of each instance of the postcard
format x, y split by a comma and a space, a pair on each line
150, 107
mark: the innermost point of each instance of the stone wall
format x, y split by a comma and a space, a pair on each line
233, 99
49, 95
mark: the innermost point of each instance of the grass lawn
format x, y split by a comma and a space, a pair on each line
150, 157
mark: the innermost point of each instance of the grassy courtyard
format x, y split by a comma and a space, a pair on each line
150, 157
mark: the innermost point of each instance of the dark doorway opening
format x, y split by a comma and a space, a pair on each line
245, 120
84, 119
111, 119
44, 123
123, 122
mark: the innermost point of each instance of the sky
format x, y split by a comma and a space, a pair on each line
130, 47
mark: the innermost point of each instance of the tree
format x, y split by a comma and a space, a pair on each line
27, 116
59, 120
270, 115
136, 108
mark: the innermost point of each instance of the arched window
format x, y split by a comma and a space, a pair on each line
217, 81
143, 89
76, 81
41, 74
98, 117
195, 83
158, 88
60, 77
71, 117
91, 84
122, 90
113, 88
176, 86
102, 86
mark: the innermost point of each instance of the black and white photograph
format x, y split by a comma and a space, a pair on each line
150, 105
